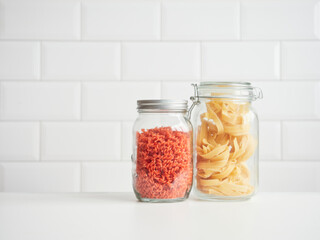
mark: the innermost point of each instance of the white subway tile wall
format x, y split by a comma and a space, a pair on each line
19, 60
292, 149
285, 19
126, 140
106, 177
40, 177
72, 70
240, 60
40, 19
161, 61
81, 60
200, 20
121, 20
39, 100
80, 141
273, 178
19, 141
301, 60
270, 140
289, 100
116, 100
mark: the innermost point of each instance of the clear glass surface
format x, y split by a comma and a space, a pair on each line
162, 169
226, 148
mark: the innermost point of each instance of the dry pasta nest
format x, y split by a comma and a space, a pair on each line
224, 144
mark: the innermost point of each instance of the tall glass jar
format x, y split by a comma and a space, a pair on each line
162, 151
226, 134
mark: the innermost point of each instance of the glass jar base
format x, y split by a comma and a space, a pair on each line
153, 200
215, 198
159, 200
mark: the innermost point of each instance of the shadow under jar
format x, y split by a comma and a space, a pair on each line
162, 151
226, 134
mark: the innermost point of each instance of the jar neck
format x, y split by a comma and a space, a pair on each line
231, 100
152, 113
227, 90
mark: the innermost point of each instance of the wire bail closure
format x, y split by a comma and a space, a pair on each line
258, 92
245, 92
194, 99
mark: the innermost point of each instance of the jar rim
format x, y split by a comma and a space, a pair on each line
162, 105
227, 90
231, 84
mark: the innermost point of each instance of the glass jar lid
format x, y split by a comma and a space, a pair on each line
227, 90
162, 105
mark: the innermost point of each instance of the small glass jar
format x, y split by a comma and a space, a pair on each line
162, 151
226, 134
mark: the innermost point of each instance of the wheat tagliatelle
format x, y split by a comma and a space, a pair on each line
224, 144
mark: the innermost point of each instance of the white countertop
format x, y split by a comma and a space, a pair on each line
120, 216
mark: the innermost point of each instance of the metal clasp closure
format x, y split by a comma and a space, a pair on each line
258, 93
194, 99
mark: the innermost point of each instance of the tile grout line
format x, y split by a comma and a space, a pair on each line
201, 60
132, 119
161, 21
81, 177
40, 141
161, 89
280, 60
41, 80
121, 61
121, 138
71, 161
159, 40
239, 21
1, 102
152, 81
81, 81
81, 101
81, 21
128, 161
41, 61
281, 139
280, 78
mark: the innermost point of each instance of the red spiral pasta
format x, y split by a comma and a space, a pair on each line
164, 163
